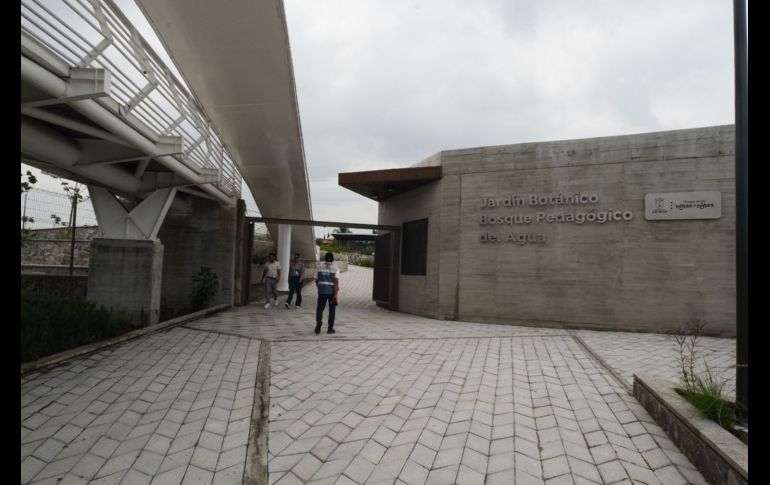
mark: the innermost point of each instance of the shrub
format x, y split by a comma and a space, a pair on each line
334, 248
205, 287
51, 324
366, 262
704, 392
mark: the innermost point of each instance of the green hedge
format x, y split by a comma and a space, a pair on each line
51, 324
334, 248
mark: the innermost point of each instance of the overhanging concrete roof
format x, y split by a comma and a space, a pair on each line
379, 185
235, 57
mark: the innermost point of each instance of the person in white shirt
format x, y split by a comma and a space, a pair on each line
272, 273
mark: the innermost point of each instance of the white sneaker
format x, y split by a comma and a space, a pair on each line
267, 305
286, 304
297, 307
275, 303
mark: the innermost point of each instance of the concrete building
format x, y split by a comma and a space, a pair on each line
629, 232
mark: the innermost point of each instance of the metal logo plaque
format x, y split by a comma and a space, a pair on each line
683, 205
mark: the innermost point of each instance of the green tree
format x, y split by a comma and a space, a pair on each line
343, 230
26, 185
27, 181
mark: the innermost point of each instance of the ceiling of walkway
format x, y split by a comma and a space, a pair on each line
235, 57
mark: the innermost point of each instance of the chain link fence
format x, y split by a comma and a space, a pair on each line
47, 209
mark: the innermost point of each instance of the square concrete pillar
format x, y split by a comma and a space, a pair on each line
126, 273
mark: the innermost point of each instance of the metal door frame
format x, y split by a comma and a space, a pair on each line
247, 247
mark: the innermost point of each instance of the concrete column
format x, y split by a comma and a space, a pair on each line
126, 274
284, 255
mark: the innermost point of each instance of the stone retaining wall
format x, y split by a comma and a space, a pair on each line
719, 456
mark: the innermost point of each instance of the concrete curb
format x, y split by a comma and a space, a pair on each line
719, 456
255, 471
602, 362
61, 357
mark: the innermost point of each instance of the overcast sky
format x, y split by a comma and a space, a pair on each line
387, 84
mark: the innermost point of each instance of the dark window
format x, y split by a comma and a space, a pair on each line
414, 249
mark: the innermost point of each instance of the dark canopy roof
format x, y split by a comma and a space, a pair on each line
381, 184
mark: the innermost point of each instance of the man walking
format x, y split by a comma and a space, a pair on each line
272, 272
296, 274
328, 283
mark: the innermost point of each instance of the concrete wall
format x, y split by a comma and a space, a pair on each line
637, 274
418, 294
54, 251
126, 274
196, 232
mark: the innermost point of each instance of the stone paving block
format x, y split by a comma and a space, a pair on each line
462, 427
204, 458
386, 471
301, 446
442, 476
324, 448
110, 479
580, 468
359, 469
332, 468
448, 457
48, 449
348, 449
134, 477
505, 445
670, 475
30, 467
197, 476
175, 460
284, 463
612, 471
629, 456
475, 460
553, 467
505, 477
88, 466
500, 462
306, 467
406, 437
641, 474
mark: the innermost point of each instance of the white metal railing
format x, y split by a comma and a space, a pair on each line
96, 34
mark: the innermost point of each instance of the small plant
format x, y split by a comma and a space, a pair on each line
258, 259
205, 287
704, 392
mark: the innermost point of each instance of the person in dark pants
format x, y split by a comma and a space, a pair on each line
328, 284
296, 273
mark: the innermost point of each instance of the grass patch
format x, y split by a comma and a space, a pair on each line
331, 248
707, 394
52, 324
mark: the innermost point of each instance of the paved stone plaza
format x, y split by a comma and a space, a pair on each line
390, 398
